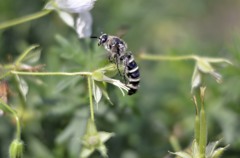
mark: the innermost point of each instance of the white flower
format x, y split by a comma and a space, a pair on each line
65, 8
75, 6
84, 24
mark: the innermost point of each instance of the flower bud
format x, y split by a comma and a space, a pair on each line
16, 149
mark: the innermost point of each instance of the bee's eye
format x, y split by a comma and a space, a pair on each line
104, 38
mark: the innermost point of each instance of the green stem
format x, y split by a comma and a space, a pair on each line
18, 135
90, 98
197, 122
161, 57
8, 109
51, 73
24, 54
203, 132
24, 19
4, 75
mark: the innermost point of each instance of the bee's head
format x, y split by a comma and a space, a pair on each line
102, 39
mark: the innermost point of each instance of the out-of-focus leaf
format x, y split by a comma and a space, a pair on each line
71, 135
36, 147
228, 122
65, 83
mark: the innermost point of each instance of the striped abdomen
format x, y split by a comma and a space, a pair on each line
132, 74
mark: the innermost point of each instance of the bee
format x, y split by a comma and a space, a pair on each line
131, 72
118, 54
114, 45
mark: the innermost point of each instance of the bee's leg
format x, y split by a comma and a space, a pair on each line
125, 70
117, 62
111, 58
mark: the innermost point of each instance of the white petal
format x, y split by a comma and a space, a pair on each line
84, 25
67, 18
75, 6
196, 78
1, 113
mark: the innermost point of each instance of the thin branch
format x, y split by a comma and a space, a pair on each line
90, 98
24, 19
163, 57
51, 73
8, 109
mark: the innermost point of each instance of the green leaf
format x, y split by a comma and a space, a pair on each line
25, 53
102, 86
23, 86
33, 57
97, 93
71, 136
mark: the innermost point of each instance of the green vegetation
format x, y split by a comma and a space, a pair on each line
60, 97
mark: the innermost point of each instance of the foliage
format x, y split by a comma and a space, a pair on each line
56, 81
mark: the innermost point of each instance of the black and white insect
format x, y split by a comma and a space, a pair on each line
118, 54
131, 72
114, 45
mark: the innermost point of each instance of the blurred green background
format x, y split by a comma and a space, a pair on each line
55, 113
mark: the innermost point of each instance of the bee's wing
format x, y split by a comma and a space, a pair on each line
122, 30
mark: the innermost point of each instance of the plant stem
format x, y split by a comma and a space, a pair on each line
24, 54
24, 19
51, 73
184, 57
162, 57
197, 122
8, 109
203, 126
90, 98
